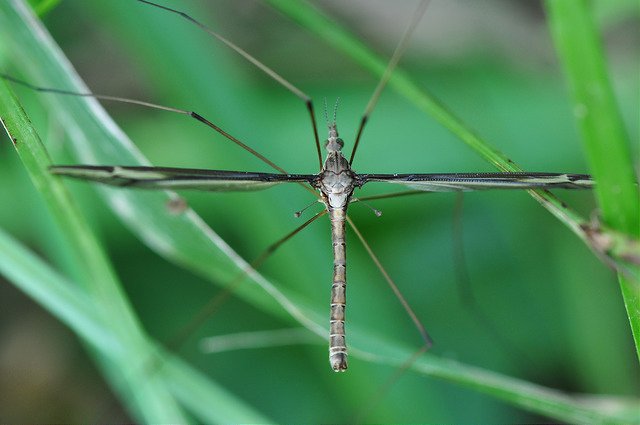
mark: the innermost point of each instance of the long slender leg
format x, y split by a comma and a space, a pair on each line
175, 342
264, 68
191, 114
414, 318
427, 341
463, 281
395, 58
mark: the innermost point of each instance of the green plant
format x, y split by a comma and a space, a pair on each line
187, 241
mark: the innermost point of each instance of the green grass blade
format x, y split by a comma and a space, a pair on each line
186, 240
69, 303
342, 40
600, 123
313, 20
146, 395
606, 143
80, 309
529, 396
582, 408
605, 140
209, 402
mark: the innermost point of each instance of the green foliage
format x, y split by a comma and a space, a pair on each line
96, 308
541, 302
603, 132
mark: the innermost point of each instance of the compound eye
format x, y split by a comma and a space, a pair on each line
340, 143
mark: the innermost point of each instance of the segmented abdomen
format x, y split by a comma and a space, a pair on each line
337, 343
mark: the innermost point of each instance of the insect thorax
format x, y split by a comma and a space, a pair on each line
336, 180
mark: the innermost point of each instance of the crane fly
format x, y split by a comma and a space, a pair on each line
334, 184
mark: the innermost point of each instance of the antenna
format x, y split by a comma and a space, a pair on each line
326, 114
397, 54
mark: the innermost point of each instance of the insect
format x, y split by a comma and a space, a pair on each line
335, 183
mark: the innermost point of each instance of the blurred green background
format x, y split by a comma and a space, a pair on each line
491, 63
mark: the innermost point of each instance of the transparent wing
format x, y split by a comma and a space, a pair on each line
177, 178
455, 182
